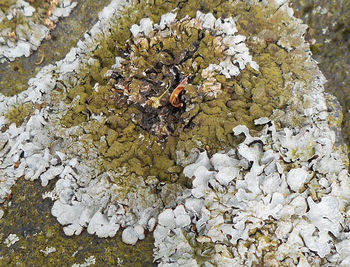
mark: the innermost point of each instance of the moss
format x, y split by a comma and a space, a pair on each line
316, 48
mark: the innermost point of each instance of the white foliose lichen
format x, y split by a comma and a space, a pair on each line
25, 149
11, 239
280, 198
28, 36
24, 152
88, 261
249, 201
48, 250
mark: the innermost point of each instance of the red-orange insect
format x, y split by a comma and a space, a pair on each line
174, 97
16, 165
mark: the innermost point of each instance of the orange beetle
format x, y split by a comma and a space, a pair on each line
174, 97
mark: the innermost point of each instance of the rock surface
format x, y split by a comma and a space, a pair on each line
212, 189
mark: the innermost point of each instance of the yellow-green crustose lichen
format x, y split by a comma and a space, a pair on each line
250, 95
17, 114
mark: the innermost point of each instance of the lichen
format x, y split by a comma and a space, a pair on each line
18, 114
36, 230
15, 75
329, 33
278, 214
110, 126
251, 95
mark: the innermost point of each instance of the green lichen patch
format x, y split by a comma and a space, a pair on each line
18, 114
126, 137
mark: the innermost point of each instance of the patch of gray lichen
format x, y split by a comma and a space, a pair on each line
329, 36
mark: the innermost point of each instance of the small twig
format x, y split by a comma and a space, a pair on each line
42, 57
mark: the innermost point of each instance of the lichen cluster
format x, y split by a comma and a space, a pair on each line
329, 35
18, 114
155, 62
267, 202
117, 160
15, 18
36, 231
23, 25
